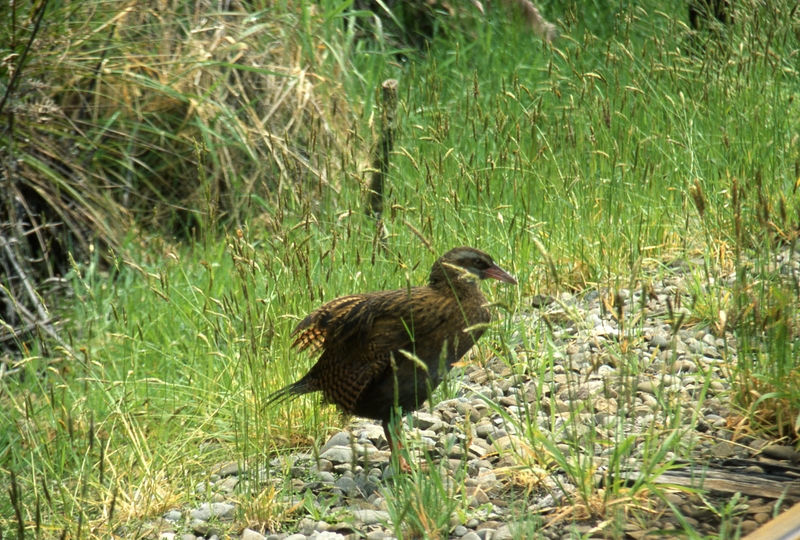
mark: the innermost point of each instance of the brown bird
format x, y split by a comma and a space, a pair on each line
389, 348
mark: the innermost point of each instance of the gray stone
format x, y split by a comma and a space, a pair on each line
227, 485
306, 526
455, 519
219, 510
231, 469
429, 421
338, 455
487, 479
173, 515
476, 496
463, 408
340, 439
647, 387
326, 477
472, 535
683, 366
748, 526
371, 517
460, 530
695, 346
484, 430
323, 465
296, 536
199, 527
485, 534
503, 533
328, 535
347, 485
250, 534
477, 413
477, 450
781, 452
660, 341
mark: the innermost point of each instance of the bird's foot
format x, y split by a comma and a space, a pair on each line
403, 465
405, 468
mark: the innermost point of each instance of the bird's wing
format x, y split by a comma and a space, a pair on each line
400, 325
335, 321
382, 321
353, 376
389, 319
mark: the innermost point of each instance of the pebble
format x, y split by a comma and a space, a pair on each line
338, 455
199, 527
724, 449
173, 515
347, 485
502, 533
659, 341
306, 526
780, 452
339, 439
219, 510
371, 517
249, 534
326, 535
231, 469
748, 526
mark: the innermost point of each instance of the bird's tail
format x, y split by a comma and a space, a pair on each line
292, 391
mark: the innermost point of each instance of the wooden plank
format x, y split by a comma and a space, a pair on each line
728, 482
784, 527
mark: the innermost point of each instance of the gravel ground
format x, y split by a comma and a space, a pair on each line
585, 380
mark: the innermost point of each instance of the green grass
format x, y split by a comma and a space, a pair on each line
596, 152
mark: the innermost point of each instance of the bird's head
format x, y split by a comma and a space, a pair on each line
466, 263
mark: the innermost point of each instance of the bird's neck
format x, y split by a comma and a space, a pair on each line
458, 286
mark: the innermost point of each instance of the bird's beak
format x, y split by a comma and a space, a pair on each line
495, 272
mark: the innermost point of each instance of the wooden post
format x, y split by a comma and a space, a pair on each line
380, 155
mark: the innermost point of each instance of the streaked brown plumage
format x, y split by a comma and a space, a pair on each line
359, 335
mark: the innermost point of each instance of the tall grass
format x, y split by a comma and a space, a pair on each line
594, 151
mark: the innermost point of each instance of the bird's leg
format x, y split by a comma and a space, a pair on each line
394, 444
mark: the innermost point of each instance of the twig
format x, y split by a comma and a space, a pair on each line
17, 71
419, 235
5, 372
10, 332
43, 317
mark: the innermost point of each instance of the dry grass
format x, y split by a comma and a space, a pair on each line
153, 118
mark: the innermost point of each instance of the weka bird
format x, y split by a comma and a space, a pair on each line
373, 345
